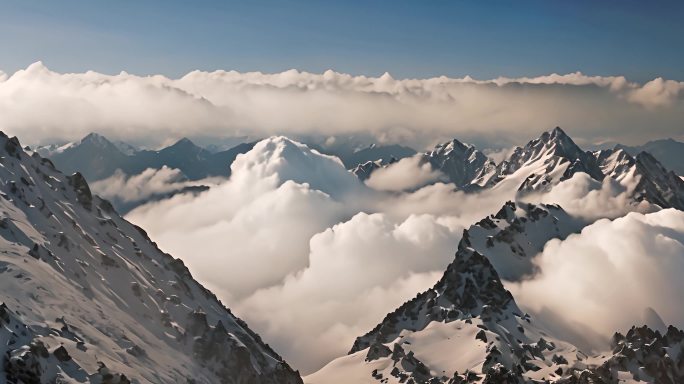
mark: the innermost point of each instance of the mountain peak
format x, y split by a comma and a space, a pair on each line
184, 143
558, 136
558, 132
453, 144
97, 140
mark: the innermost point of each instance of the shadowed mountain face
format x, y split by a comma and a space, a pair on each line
669, 153
97, 158
87, 296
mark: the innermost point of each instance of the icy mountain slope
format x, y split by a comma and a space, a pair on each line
89, 297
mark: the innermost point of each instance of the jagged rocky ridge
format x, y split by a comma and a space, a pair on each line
87, 296
468, 328
548, 160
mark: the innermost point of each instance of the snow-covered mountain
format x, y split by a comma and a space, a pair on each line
97, 158
469, 329
554, 157
88, 297
548, 160
461, 163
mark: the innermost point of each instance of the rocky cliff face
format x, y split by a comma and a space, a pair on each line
87, 296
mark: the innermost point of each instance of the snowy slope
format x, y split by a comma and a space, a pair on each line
88, 297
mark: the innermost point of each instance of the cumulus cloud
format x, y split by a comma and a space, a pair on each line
606, 277
44, 105
657, 93
279, 195
407, 173
498, 155
358, 271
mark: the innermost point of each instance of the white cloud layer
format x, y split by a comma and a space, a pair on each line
44, 105
586, 198
150, 182
311, 257
407, 173
604, 279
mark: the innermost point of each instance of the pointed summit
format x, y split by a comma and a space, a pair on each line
185, 141
558, 132
559, 143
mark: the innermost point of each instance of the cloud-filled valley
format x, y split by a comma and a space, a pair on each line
321, 256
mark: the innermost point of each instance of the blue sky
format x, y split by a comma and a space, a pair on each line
485, 39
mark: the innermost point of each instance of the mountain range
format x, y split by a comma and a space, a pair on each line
545, 162
97, 158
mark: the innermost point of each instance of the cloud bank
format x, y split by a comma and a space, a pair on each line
44, 105
605, 278
140, 187
405, 174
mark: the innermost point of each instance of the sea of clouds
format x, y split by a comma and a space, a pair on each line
312, 257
